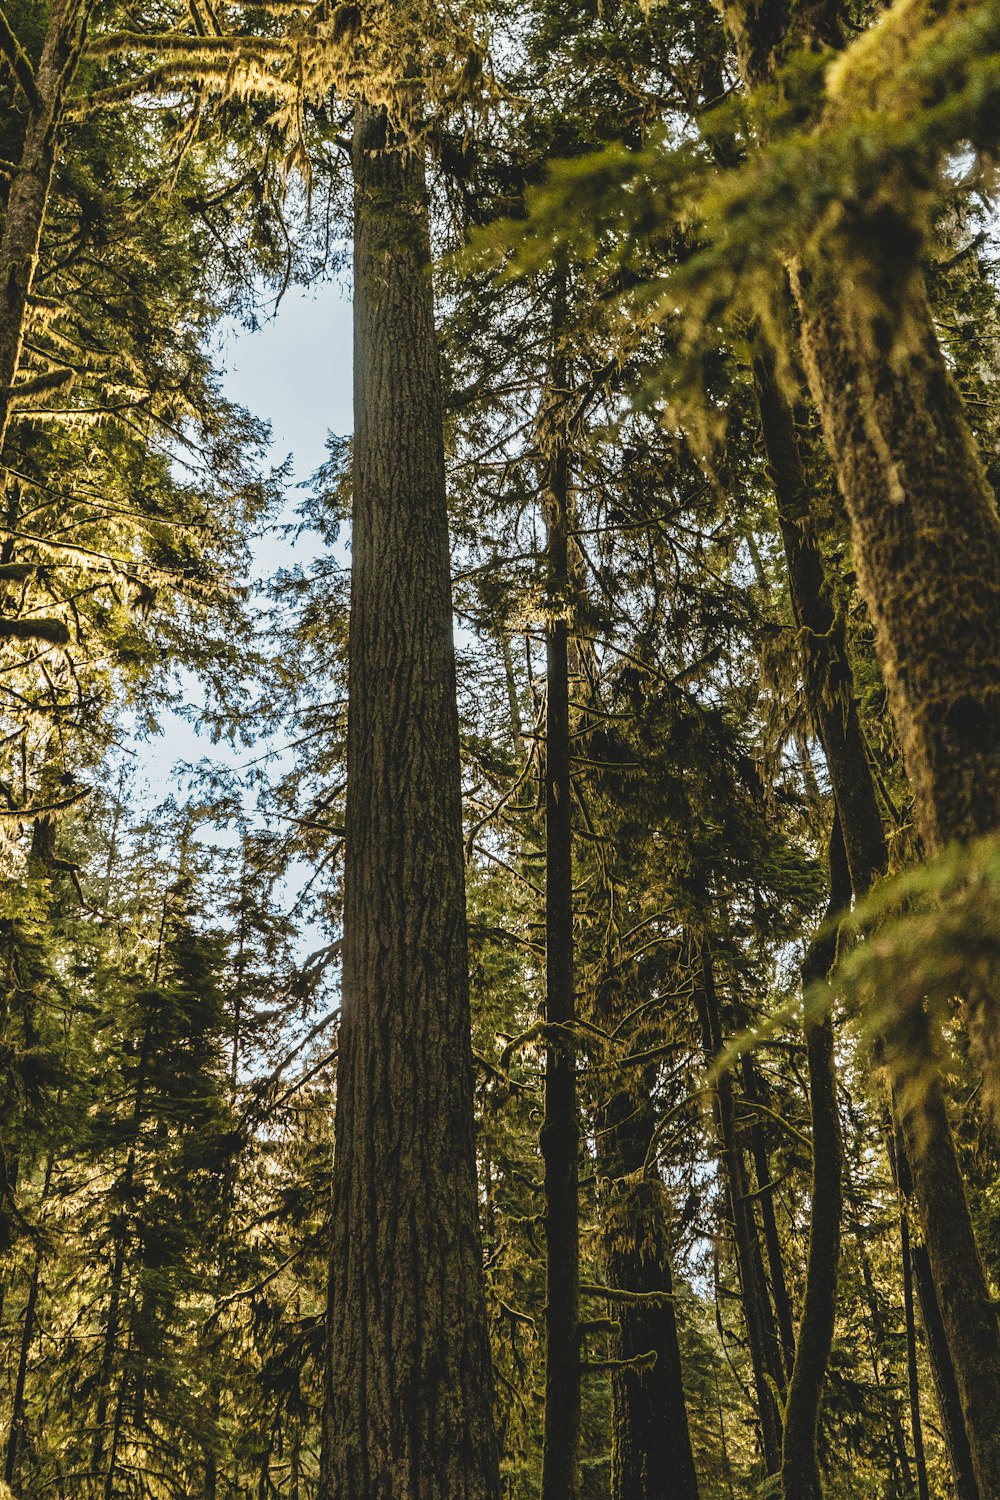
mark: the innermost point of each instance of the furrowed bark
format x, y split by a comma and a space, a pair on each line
408, 1410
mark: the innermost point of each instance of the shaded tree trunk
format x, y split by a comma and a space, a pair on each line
912, 1373
829, 682
800, 1472
942, 1369
651, 1457
30, 184
927, 542
753, 1094
560, 1135
762, 1333
409, 1390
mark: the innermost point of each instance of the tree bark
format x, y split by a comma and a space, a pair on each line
752, 1092
826, 669
912, 1373
408, 1412
651, 1457
942, 1370
28, 197
762, 1335
800, 1472
926, 541
967, 1312
927, 546
560, 1135
829, 681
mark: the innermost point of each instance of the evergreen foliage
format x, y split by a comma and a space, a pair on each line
690, 315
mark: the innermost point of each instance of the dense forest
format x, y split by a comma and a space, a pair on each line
554, 1051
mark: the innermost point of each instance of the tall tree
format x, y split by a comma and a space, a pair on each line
409, 1400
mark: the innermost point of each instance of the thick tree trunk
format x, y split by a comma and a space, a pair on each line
408, 1413
762, 1335
29, 188
800, 1471
943, 1371
560, 1136
651, 1457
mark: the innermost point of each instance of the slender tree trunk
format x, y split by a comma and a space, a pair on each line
560, 1136
651, 1457
15, 1438
762, 1334
942, 1369
800, 1472
753, 1093
912, 1373
409, 1400
27, 200
827, 675
967, 1312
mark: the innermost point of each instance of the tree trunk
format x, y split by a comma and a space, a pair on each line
943, 1371
753, 1091
762, 1336
927, 542
29, 188
800, 1471
912, 1374
408, 1412
967, 1312
829, 682
826, 669
651, 1457
560, 1135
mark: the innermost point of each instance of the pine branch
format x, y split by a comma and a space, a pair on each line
19, 63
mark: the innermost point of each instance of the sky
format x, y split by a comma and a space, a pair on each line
294, 372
